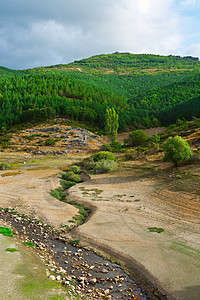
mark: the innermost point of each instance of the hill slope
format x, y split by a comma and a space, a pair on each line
140, 87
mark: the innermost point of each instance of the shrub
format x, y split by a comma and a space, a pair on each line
75, 169
104, 166
50, 142
58, 193
88, 163
103, 155
3, 166
71, 176
136, 138
155, 138
105, 147
176, 150
131, 154
113, 147
66, 184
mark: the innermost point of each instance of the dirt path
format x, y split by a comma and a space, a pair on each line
126, 205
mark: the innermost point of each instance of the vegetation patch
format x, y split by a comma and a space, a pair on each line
10, 174
3, 166
155, 229
71, 176
58, 193
29, 244
74, 242
11, 250
6, 231
185, 249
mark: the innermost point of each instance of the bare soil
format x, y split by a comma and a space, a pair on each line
27, 189
23, 274
126, 205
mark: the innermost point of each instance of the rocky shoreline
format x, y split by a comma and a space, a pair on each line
78, 268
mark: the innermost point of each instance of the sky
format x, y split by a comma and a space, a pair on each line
46, 32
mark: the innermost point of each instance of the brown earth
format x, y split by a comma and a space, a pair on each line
27, 190
126, 205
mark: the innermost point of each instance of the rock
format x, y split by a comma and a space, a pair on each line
104, 271
81, 278
92, 280
58, 278
84, 177
52, 277
106, 292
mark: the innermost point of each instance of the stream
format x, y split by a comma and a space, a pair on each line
79, 266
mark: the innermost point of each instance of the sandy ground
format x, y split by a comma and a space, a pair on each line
28, 192
126, 205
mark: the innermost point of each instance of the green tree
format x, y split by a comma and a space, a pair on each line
176, 150
111, 124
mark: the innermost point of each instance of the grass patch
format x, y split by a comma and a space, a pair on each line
58, 193
185, 249
74, 242
155, 229
6, 231
29, 244
11, 250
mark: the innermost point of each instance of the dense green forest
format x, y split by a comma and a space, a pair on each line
144, 90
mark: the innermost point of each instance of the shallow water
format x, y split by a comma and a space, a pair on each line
79, 263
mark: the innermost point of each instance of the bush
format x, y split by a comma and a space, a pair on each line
50, 142
136, 138
131, 154
3, 166
176, 150
71, 176
104, 166
113, 147
66, 184
107, 155
58, 193
75, 169
105, 147
88, 163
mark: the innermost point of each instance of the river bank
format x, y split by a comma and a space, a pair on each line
87, 273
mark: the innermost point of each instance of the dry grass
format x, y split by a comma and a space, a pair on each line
10, 174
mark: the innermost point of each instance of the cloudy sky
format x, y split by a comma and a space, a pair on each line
45, 32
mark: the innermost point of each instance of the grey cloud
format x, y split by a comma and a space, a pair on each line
34, 33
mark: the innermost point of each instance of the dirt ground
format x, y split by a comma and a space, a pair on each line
125, 205
23, 273
27, 187
130, 202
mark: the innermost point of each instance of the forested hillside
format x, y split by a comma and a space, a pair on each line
143, 89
